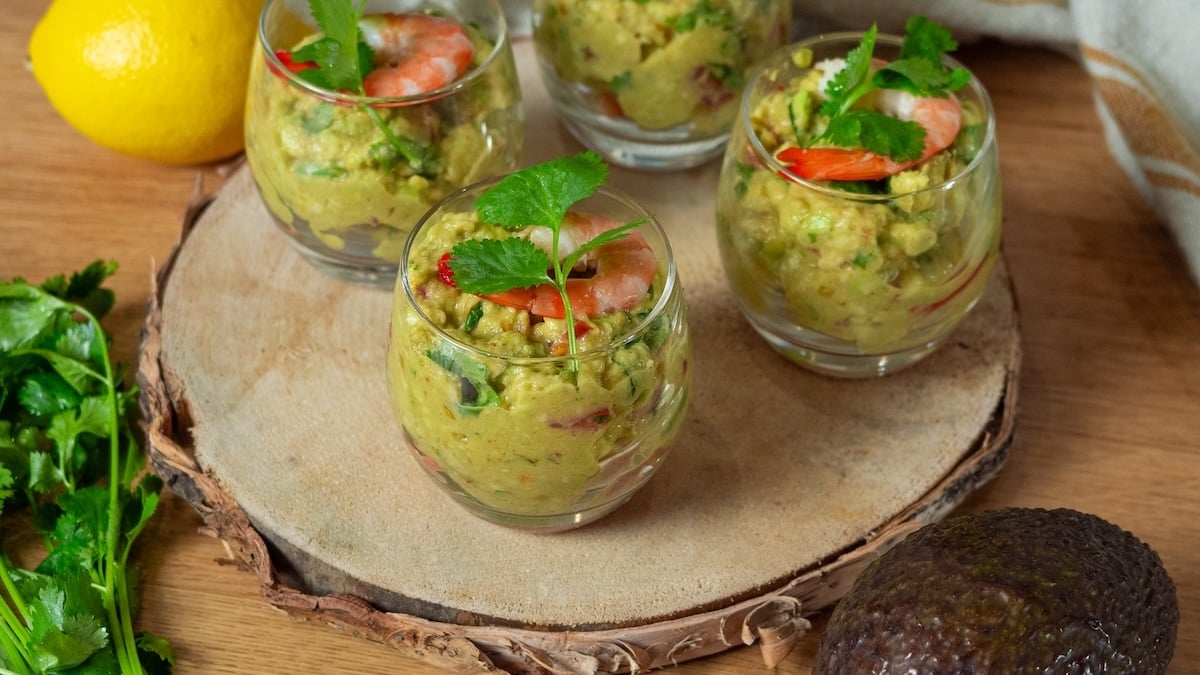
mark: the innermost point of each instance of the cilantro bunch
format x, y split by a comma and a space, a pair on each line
919, 71
67, 452
537, 195
340, 60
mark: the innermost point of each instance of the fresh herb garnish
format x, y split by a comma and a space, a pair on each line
343, 60
919, 71
621, 81
705, 13
64, 425
539, 195
473, 317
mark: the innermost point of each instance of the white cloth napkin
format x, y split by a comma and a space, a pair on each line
1140, 54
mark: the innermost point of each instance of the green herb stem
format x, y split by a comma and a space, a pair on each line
116, 601
126, 625
858, 92
560, 283
13, 633
14, 647
14, 596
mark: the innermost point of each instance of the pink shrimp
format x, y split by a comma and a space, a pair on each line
414, 53
940, 117
624, 270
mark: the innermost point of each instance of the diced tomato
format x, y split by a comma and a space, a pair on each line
285, 57
444, 272
713, 92
609, 105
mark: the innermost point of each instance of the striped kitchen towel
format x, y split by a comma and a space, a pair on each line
1140, 54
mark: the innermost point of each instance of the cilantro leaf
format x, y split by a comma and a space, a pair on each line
841, 90
485, 266
881, 134
322, 52
78, 374
925, 39
339, 54
541, 194
477, 391
25, 314
918, 77
44, 475
77, 541
61, 639
47, 393
157, 655
84, 287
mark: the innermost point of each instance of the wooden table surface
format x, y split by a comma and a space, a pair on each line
1110, 323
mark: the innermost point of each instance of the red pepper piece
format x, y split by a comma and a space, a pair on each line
285, 57
444, 272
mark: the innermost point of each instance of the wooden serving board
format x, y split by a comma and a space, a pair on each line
263, 386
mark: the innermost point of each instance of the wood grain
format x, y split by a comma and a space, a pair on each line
1110, 321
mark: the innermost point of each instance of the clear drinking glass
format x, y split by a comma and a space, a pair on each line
345, 190
520, 438
653, 84
847, 284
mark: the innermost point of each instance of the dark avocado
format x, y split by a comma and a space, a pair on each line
1004, 592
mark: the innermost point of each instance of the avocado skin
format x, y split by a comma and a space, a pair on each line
1007, 591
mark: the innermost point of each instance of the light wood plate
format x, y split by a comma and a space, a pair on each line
265, 397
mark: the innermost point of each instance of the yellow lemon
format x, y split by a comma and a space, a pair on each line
151, 78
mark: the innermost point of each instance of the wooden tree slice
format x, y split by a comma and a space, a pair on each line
263, 386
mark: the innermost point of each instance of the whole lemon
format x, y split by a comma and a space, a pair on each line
149, 78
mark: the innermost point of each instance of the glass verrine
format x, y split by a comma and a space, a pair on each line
863, 278
497, 411
346, 176
654, 84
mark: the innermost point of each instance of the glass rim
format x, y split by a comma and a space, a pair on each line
336, 96
775, 58
671, 281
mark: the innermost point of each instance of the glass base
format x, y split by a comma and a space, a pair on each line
539, 524
827, 360
376, 274
536, 523
644, 155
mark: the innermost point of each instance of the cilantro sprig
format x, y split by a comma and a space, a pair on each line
919, 71
68, 454
343, 59
539, 195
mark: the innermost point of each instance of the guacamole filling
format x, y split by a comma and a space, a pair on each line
661, 64
527, 436
326, 171
878, 272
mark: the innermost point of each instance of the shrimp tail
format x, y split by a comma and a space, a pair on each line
838, 164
